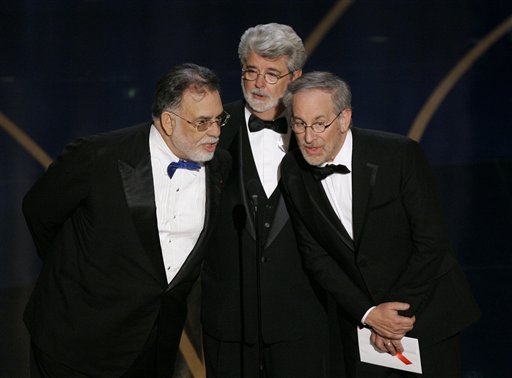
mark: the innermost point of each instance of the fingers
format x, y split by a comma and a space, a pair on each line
386, 345
398, 306
398, 345
379, 342
390, 347
384, 318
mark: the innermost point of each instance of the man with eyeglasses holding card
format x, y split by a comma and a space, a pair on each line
120, 221
370, 228
261, 315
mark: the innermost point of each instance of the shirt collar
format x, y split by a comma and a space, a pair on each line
162, 151
344, 156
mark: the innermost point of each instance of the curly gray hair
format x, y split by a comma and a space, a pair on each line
272, 41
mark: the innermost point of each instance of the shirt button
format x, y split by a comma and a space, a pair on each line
264, 259
267, 225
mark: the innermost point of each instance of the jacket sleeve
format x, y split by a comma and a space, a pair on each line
57, 194
430, 257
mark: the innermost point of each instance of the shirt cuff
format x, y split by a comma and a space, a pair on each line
363, 319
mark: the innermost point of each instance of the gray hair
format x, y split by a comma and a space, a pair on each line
170, 88
273, 41
324, 81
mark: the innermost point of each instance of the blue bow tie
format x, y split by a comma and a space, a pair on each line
190, 165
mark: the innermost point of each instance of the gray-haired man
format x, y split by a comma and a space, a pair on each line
261, 313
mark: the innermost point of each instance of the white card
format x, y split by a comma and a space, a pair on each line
410, 360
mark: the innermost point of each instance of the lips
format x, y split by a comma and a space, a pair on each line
210, 147
312, 150
258, 95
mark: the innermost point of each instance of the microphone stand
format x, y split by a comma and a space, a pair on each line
239, 220
254, 201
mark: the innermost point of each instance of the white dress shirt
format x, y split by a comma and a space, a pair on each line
338, 187
180, 205
268, 149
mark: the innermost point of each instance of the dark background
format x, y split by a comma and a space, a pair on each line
74, 68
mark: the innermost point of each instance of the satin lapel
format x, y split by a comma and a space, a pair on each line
364, 176
139, 192
316, 194
246, 201
231, 139
280, 218
281, 215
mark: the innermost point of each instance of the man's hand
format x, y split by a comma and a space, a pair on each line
386, 345
385, 320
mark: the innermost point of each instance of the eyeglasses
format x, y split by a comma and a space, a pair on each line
203, 124
299, 126
270, 77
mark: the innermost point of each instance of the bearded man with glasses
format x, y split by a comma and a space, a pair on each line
121, 221
261, 314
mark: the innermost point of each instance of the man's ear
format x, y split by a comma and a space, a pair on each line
168, 123
346, 119
296, 74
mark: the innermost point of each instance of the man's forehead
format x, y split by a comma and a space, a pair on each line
196, 94
254, 58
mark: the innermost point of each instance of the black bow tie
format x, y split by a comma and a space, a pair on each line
279, 125
319, 173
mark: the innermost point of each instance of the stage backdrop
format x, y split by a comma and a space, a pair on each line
437, 70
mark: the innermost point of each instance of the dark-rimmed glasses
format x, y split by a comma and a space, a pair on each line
270, 77
299, 126
203, 124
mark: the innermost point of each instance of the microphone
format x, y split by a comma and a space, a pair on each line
252, 191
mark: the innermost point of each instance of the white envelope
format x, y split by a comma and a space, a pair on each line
369, 354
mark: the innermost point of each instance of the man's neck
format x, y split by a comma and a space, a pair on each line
268, 115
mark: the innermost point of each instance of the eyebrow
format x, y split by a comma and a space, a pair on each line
270, 70
314, 119
208, 117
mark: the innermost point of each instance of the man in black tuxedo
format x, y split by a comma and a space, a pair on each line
121, 221
260, 303
370, 228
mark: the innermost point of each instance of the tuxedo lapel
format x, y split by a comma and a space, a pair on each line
364, 176
281, 215
232, 139
280, 218
316, 194
246, 201
139, 191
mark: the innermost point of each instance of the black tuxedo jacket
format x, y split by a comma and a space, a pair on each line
289, 304
400, 250
103, 288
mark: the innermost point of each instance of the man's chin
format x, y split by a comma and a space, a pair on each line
206, 157
312, 159
260, 106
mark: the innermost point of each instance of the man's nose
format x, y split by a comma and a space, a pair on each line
309, 134
260, 81
214, 129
